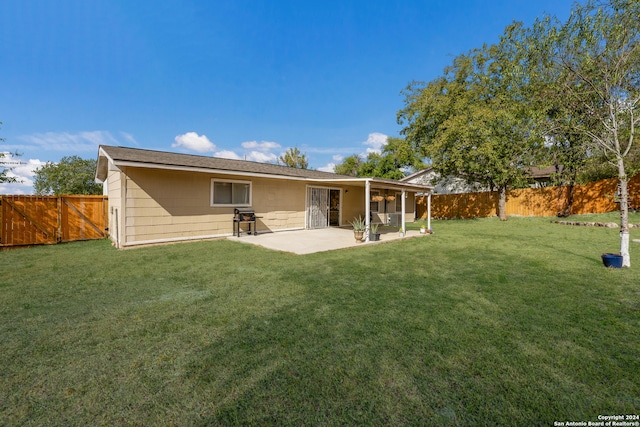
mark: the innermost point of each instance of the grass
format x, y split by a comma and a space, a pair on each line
482, 323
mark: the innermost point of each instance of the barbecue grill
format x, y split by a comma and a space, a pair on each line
247, 216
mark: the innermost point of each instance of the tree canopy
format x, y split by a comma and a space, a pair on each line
562, 93
591, 66
396, 157
475, 122
350, 166
294, 158
72, 175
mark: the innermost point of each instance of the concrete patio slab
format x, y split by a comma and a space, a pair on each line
303, 242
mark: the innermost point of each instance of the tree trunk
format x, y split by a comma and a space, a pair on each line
567, 210
502, 202
624, 214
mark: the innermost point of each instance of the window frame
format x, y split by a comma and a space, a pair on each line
230, 181
398, 203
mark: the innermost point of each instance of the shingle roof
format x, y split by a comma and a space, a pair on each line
161, 158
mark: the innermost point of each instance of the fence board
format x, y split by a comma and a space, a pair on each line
594, 197
83, 218
34, 220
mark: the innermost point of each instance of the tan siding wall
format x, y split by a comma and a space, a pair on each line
410, 207
280, 203
352, 204
166, 205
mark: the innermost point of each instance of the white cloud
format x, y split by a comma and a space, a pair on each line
129, 138
21, 169
227, 154
260, 146
262, 157
376, 141
195, 142
65, 141
330, 167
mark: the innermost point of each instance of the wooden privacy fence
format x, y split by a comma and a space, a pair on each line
594, 197
34, 220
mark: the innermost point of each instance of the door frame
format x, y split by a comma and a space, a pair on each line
327, 208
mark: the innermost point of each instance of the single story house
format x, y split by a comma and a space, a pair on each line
449, 185
541, 177
158, 197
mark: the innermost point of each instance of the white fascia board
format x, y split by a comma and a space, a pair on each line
103, 155
400, 185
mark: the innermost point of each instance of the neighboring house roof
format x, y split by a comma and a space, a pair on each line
413, 176
443, 186
533, 171
540, 173
458, 185
123, 156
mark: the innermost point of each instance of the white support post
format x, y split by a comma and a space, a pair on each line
404, 209
367, 209
429, 211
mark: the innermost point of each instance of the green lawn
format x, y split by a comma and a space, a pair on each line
482, 323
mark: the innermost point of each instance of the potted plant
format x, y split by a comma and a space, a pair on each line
358, 225
401, 232
423, 229
374, 236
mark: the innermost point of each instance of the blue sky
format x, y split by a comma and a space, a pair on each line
238, 79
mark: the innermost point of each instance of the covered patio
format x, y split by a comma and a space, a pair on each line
304, 242
378, 201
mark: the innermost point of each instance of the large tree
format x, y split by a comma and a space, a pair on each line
475, 122
350, 166
294, 158
403, 155
72, 175
396, 157
381, 166
594, 59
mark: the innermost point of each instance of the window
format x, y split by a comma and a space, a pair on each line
230, 193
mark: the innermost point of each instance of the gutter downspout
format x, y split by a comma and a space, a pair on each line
367, 209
